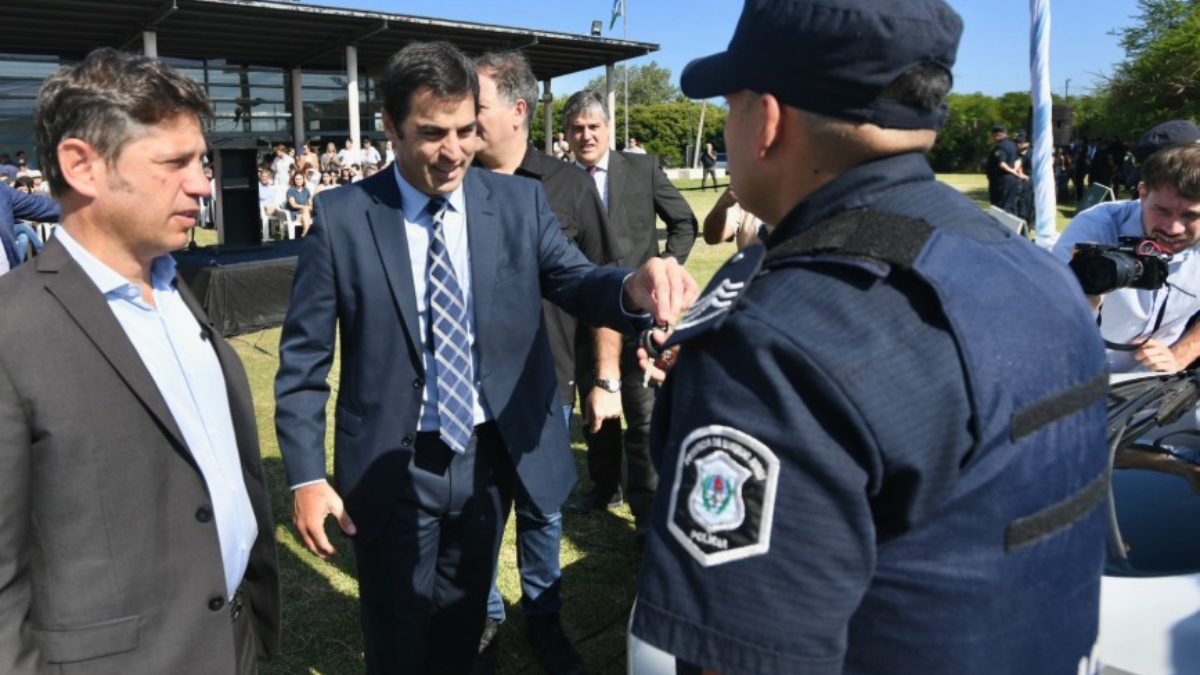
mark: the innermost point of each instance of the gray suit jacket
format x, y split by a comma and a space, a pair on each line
639, 192
109, 557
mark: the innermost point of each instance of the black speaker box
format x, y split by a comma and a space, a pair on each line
239, 223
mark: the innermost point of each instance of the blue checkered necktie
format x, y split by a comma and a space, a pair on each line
451, 349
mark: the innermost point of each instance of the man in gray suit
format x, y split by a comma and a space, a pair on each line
636, 193
135, 529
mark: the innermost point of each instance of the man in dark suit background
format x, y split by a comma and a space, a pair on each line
428, 442
135, 529
508, 95
636, 192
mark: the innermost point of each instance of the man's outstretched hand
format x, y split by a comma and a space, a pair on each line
662, 288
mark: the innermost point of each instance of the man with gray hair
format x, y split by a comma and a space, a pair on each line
135, 527
507, 102
636, 192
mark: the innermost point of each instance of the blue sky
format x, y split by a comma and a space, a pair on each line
993, 57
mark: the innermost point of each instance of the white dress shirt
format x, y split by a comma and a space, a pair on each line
600, 176
184, 366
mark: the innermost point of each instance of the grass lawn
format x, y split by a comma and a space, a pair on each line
320, 622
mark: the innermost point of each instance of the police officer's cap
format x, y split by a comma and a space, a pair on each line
832, 57
1165, 135
1021, 137
999, 129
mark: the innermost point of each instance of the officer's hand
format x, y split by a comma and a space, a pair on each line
1157, 357
656, 369
601, 405
661, 287
310, 505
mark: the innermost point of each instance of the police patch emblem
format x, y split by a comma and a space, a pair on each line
723, 496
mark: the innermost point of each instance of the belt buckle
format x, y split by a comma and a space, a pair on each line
235, 605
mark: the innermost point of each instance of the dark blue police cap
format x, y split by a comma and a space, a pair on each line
832, 57
1165, 135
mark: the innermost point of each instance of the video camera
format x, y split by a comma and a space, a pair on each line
1133, 263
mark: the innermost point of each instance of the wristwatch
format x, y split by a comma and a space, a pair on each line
612, 386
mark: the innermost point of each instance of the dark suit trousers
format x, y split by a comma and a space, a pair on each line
424, 580
604, 447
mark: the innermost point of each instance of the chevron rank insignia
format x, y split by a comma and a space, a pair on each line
721, 295
723, 495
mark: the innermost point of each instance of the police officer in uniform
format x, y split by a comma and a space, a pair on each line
864, 467
1004, 182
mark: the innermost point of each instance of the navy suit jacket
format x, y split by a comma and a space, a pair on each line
14, 205
354, 280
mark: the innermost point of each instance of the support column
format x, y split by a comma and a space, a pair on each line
610, 97
352, 93
150, 44
297, 109
548, 117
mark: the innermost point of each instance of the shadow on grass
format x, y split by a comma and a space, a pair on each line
979, 195
320, 599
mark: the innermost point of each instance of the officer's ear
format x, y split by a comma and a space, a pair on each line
773, 116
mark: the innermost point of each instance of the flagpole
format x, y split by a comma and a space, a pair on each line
1045, 218
625, 35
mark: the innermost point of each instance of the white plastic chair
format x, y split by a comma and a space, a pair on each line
1008, 220
281, 219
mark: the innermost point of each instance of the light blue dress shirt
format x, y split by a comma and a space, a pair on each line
418, 227
1130, 315
184, 366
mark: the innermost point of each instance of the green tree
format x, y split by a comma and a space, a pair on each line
667, 129
1015, 110
648, 84
964, 139
1160, 76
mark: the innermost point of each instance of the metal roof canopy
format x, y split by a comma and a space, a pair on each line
285, 34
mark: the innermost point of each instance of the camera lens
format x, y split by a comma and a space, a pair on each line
1109, 270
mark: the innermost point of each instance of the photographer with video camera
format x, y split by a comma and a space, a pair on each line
1139, 263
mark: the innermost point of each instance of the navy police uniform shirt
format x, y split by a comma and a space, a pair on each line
1004, 152
813, 443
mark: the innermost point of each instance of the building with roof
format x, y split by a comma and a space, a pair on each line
274, 70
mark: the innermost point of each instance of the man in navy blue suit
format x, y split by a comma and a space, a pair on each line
424, 503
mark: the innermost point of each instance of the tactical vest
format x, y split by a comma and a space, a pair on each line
1005, 579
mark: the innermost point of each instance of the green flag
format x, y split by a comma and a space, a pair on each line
618, 11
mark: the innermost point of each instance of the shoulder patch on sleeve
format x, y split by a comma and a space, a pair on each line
720, 296
723, 495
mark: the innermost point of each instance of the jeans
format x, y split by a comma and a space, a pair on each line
26, 235
539, 537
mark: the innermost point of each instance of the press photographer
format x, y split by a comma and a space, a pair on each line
1139, 261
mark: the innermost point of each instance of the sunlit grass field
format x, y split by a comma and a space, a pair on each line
599, 558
